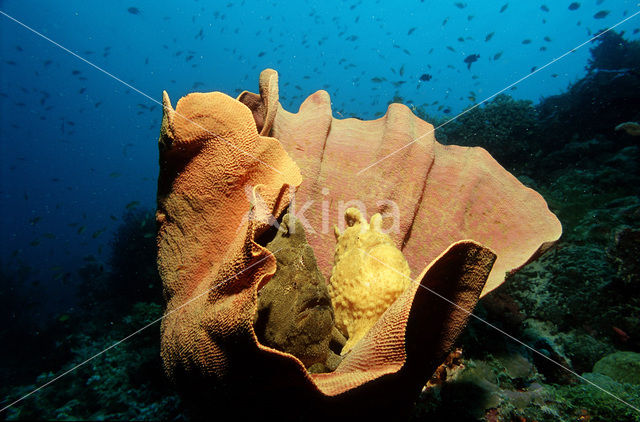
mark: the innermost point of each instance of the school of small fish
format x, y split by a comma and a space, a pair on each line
392, 79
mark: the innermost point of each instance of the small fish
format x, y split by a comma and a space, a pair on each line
80, 229
149, 235
411, 30
132, 204
497, 55
425, 77
574, 6
460, 5
503, 8
544, 8
97, 233
489, 36
527, 41
601, 14
451, 49
64, 318
471, 58
621, 335
547, 39
133, 10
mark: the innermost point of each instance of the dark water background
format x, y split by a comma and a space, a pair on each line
78, 146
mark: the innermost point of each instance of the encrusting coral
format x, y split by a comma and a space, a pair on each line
369, 273
213, 149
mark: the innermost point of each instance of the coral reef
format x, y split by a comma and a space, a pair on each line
613, 52
590, 402
624, 255
595, 104
622, 367
129, 277
213, 268
508, 387
125, 383
368, 275
570, 305
527, 138
27, 329
507, 128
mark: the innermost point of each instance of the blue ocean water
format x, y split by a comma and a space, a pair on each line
80, 85
78, 145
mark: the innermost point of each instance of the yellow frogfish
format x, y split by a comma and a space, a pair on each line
368, 275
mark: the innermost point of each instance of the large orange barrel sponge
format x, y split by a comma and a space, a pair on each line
227, 168
394, 165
